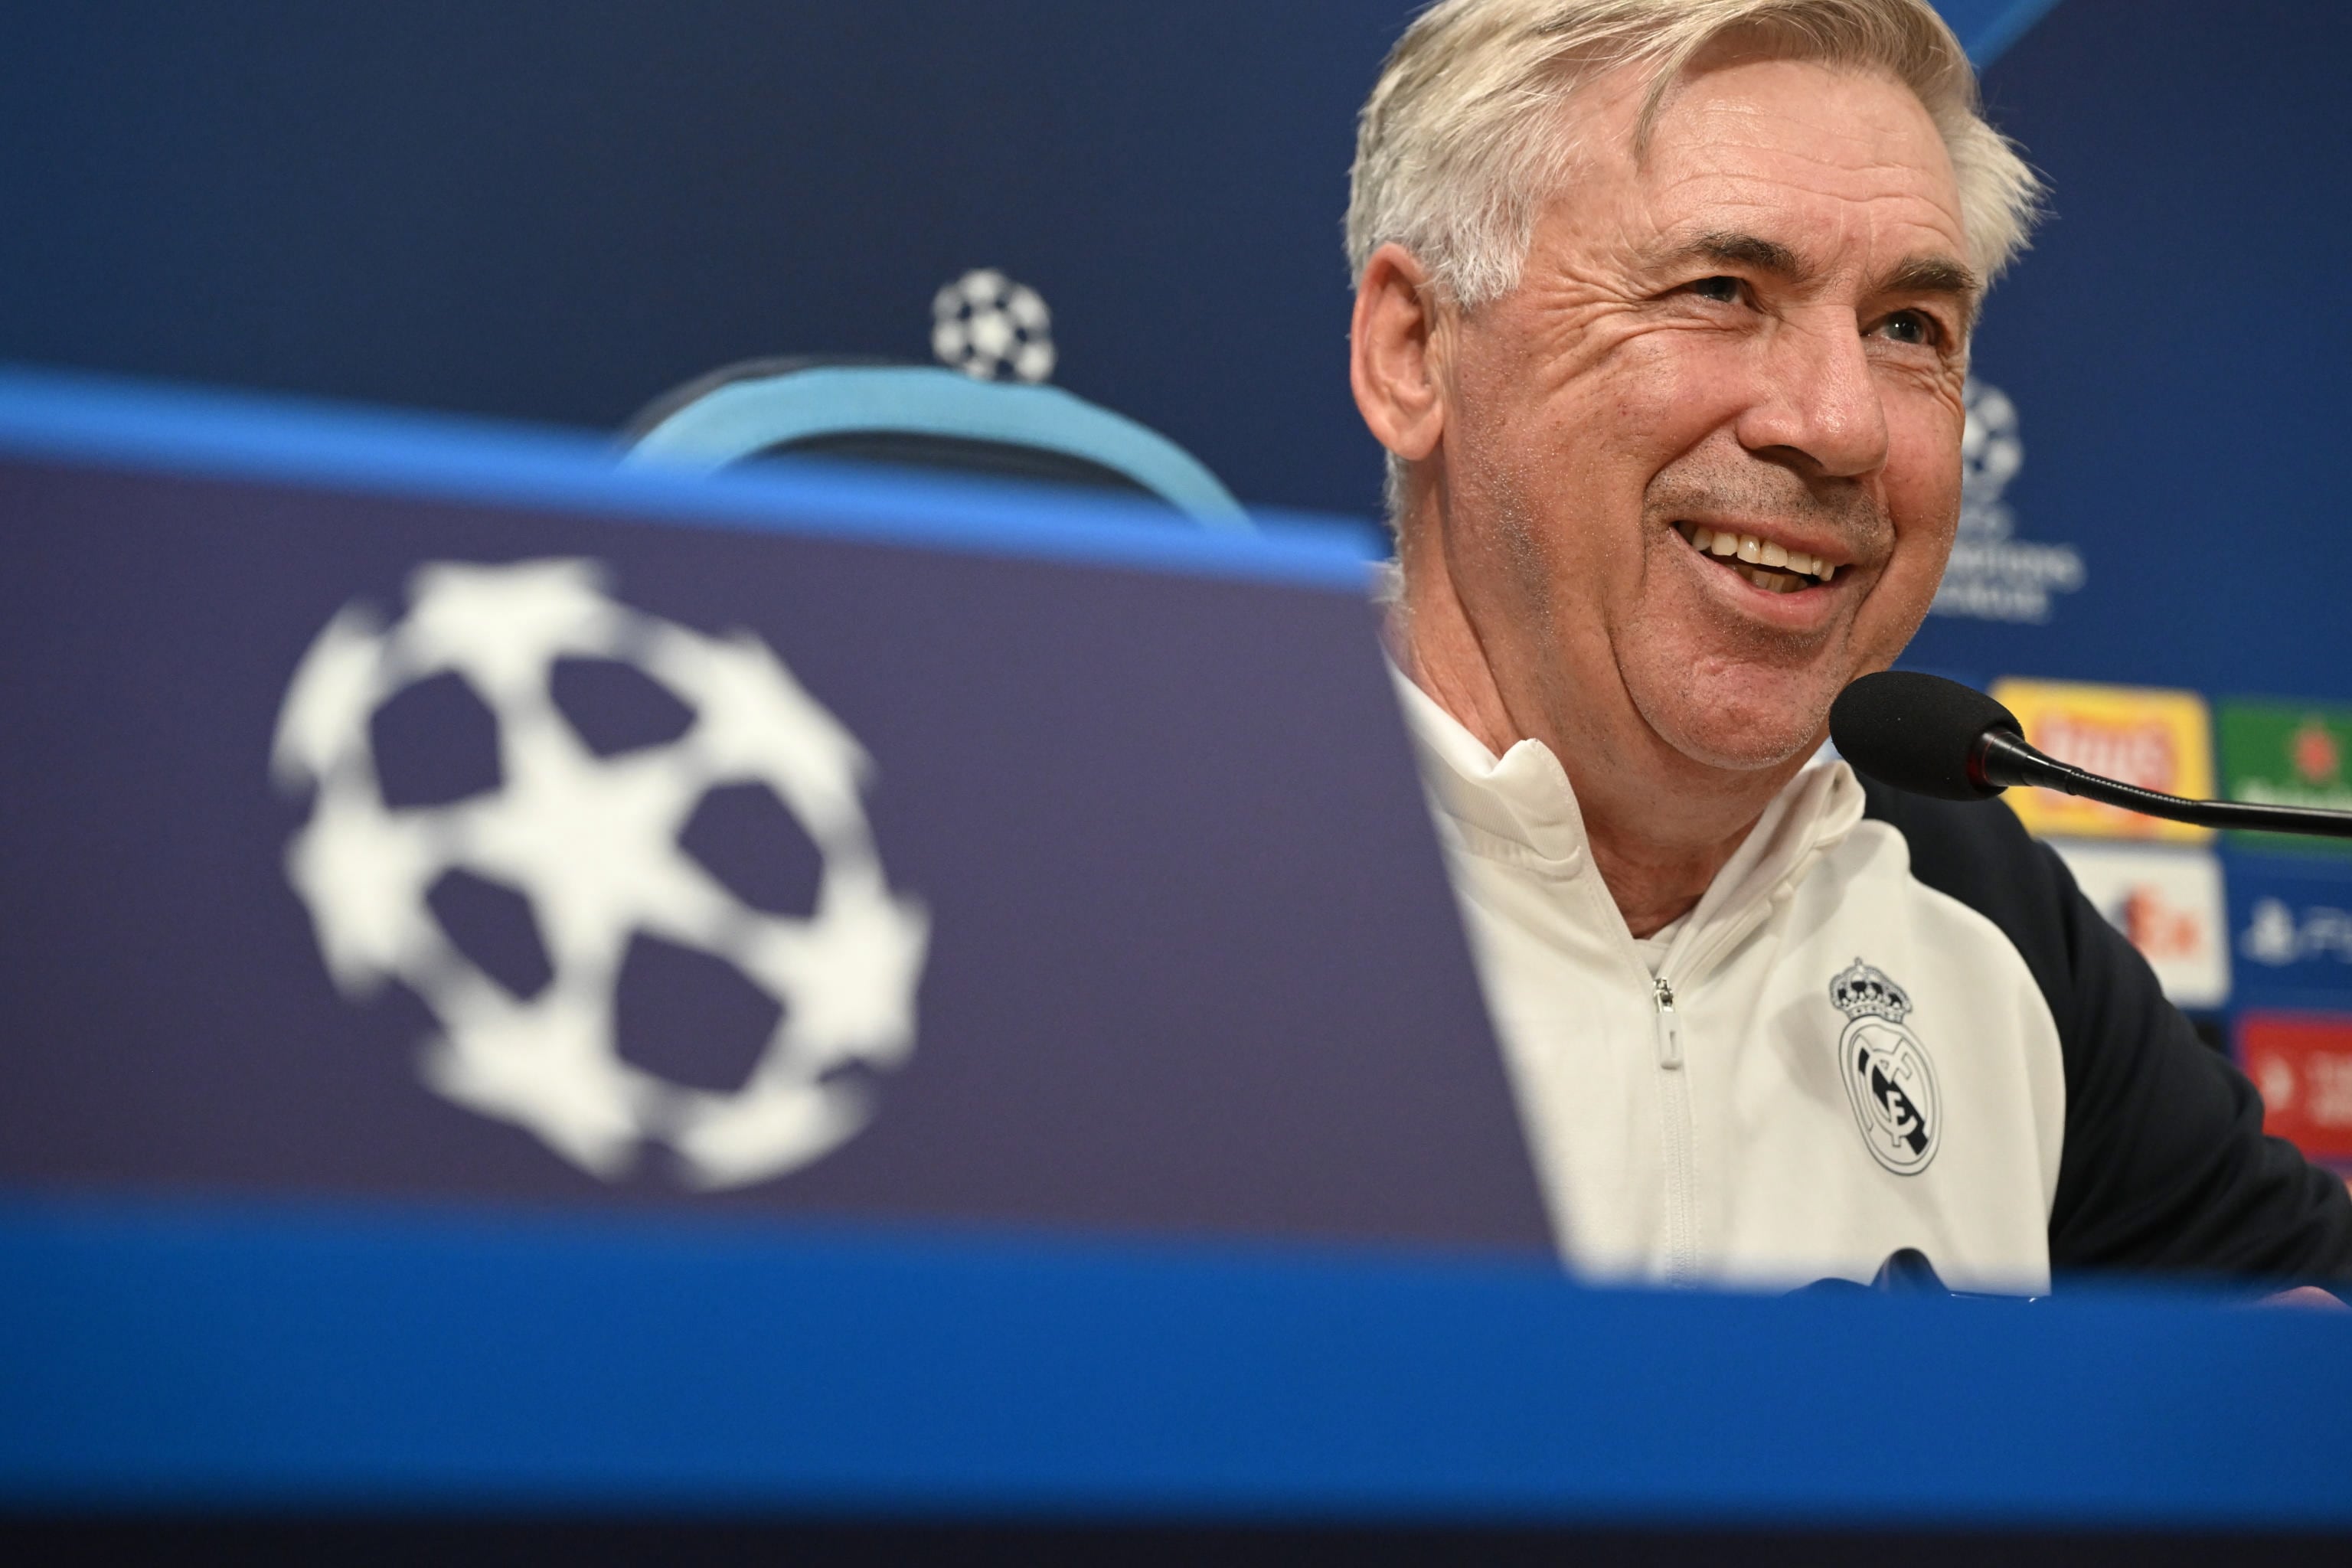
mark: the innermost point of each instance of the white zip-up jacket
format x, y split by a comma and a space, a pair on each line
1889, 1023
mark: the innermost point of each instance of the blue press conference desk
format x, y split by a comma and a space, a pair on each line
1196, 1195
215, 1357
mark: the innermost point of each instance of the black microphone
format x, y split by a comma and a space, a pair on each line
1936, 737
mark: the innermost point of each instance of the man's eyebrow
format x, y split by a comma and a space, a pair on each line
1740, 249
1930, 274
1936, 275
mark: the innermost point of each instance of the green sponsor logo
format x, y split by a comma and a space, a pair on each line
2287, 753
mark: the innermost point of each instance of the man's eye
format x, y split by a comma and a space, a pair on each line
1911, 327
1723, 291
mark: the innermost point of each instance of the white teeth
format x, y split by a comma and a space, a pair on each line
1772, 581
1725, 545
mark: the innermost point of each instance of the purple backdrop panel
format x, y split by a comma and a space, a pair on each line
1140, 855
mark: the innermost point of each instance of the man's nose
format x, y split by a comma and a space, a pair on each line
1817, 399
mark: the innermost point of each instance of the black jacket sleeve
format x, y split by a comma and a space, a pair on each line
2164, 1167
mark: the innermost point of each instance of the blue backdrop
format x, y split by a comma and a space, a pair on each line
2178, 398
553, 212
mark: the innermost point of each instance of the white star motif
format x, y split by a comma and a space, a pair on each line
592, 842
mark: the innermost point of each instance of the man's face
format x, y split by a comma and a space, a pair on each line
1754, 340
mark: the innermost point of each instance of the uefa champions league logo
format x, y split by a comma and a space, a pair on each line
1990, 452
993, 329
593, 842
1993, 575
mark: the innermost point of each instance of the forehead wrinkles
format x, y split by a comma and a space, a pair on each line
1791, 182
1841, 118
1862, 149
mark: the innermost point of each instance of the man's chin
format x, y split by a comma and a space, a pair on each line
1762, 726
1748, 755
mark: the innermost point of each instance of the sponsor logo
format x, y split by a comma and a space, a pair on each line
2277, 933
1993, 575
2290, 932
2156, 740
1889, 1080
2302, 1063
993, 329
590, 839
2170, 903
2277, 753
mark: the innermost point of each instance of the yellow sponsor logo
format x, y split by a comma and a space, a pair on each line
2156, 740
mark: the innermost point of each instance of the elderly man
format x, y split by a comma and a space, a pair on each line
1663, 315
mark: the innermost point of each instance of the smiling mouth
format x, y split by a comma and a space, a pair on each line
1771, 567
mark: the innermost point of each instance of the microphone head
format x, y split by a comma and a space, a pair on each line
1914, 731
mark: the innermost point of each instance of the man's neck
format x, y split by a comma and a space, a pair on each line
1659, 826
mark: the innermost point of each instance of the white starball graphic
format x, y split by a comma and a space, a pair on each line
993, 329
1990, 451
594, 843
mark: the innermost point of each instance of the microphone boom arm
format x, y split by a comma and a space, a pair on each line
2000, 760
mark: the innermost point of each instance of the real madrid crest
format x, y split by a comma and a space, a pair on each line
1887, 1074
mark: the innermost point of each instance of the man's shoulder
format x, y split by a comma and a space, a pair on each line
2165, 1165
1957, 846
1979, 854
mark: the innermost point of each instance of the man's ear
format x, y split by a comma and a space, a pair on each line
1392, 362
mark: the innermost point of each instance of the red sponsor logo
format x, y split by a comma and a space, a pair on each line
2303, 1064
2160, 929
2315, 753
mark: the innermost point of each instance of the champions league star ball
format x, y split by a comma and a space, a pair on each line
1990, 452
593, 842
993, 329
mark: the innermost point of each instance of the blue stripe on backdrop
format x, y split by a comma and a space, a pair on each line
78, 417
1988, 26
224, 1356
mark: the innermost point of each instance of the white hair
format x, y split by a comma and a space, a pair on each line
1465, 138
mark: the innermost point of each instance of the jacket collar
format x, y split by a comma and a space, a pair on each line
1520, 808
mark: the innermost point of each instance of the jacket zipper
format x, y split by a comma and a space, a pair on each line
1681, 1135
1682, 1221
